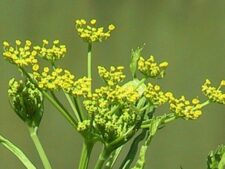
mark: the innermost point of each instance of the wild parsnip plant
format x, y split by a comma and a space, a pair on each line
120, 111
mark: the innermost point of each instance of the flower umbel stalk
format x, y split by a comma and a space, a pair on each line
41, 152
89, 60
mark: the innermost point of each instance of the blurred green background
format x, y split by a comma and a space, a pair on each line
189, 34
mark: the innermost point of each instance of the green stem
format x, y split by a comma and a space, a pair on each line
85, 154
58, 106
169, 118
78, 107
102, 158
89, 61
205, 103
69, 99
113, 157
77, 115
37, 143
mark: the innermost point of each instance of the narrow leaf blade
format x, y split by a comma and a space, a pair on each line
17, 152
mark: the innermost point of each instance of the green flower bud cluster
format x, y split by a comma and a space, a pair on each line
89, 32
184, 108
113, 76
20, 55
150, 68
27, 101
52, 54
154, 94
214, 94
62, 79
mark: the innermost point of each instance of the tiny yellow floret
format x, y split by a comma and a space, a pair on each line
93, 21
45, 42
18, 42
5, 44
35, 67
111, 27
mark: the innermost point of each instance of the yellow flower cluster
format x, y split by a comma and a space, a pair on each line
124, 95
83, 126
113, 76
150, 68
214, 94
104, 97
154, 94
53, 53
184, 108
20, 55
89, 32
113, 109
62, 79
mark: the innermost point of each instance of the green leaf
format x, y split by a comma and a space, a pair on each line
153, 127
135, 55
216, 159
17, 152
133, 150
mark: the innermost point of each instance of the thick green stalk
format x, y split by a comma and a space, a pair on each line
102, 158
85, 154
37, 143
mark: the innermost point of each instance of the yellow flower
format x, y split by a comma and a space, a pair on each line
93, 21
45, 42
89, 32
154, 95
5, 44
20, 55
183, 108
113, 76
35, 67
150, 68
18, 42
214, 94
111, 27
53, 53
163, 64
